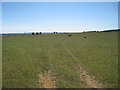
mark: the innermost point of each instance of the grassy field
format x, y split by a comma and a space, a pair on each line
25, 57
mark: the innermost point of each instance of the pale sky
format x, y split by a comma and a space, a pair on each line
58, 16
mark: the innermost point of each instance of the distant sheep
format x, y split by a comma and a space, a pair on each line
69, 35
85, 37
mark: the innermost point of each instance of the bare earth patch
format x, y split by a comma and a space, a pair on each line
47, 80
88, 80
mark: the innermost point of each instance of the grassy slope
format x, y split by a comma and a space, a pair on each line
26, 56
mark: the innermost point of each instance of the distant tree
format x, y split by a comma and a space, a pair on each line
33, 33
36, 33
40, 32
54, 32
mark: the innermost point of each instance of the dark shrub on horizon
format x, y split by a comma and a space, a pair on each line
33, 33
36, 33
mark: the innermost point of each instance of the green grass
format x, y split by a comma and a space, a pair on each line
26, 56
0, 62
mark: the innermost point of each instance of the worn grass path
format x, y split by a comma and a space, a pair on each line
47, 79
87, 79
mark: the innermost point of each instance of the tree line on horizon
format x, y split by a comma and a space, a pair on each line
36, 33
112, 30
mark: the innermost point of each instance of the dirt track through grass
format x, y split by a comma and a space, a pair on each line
87, 79
47, 79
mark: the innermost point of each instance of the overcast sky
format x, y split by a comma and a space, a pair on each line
58, 16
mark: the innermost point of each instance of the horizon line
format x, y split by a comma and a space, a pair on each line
59, 31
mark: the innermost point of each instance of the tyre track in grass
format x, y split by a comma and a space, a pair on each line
87, 79
47, 79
